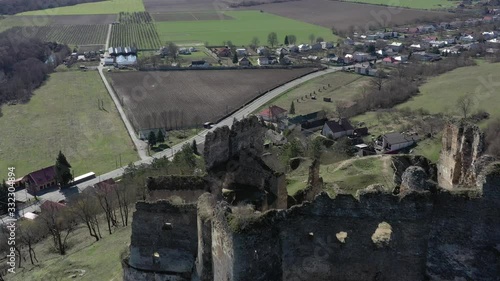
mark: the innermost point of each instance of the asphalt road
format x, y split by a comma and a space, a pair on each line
58, 195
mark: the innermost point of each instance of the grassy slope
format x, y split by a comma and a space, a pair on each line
63, 115
441, 93
241, 30
415, 4
100, 260
104, 7
343, 87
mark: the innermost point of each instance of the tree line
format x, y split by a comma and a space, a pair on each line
11, 7
25, 64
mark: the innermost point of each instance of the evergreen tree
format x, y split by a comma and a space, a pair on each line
286, 41
160, 137
292, 108
63, 170
194, 146
235, 58
151, 139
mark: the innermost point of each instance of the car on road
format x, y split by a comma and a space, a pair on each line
208, 125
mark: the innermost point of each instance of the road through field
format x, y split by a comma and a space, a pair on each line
57, 195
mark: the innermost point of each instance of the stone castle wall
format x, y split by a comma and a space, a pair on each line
433, 236
462, 145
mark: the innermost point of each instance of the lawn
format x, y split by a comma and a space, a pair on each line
355, 174
63, 115
419, 4
343, 86
240, 30
104, 7
100, 260
441, 93
349, 175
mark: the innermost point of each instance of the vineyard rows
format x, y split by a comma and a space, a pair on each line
142, 36
131, 18
67, 34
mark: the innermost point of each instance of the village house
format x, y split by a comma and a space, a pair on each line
392, 142
364, 69
282, 50
424, 56
262, 51
263, 61
360, 56
316, 46
312, 121
41, 179
241, 52
293, 48
335, 129
51, 206
396, 46
273, 114
222, 52
326, 45
244, 62
304, 47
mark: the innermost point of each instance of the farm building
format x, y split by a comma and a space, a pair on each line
311, 121
337, 128
199, 64
109, 61
394, 141
222, 52
41, 179
51, 206
273, 113
126, 60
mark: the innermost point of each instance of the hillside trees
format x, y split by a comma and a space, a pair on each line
63, 170
272, 39
59, 224
22, 65
11, 7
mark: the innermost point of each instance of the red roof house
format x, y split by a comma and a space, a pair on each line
41, 179
273, 113
50, 206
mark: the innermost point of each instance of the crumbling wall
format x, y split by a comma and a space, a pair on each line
168, 230
206, 211
223, 144
418, 235
188, 188
463, 144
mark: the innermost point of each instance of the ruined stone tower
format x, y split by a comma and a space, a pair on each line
463, 144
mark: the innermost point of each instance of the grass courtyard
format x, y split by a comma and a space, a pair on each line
240, 30
63, 115
420, 4
103, 7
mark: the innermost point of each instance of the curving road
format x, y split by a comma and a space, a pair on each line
243, 112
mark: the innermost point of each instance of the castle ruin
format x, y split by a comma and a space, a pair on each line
441, 223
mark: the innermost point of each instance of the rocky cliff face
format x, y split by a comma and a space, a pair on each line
463, 144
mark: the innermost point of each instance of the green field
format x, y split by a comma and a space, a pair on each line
343, 86
419, 4
441, 93
63, 115
104, 7
240, 30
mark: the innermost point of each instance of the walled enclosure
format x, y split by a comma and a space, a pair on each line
422, 231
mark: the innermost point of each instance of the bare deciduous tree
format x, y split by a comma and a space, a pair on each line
60, 224
465, 104
86, 209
